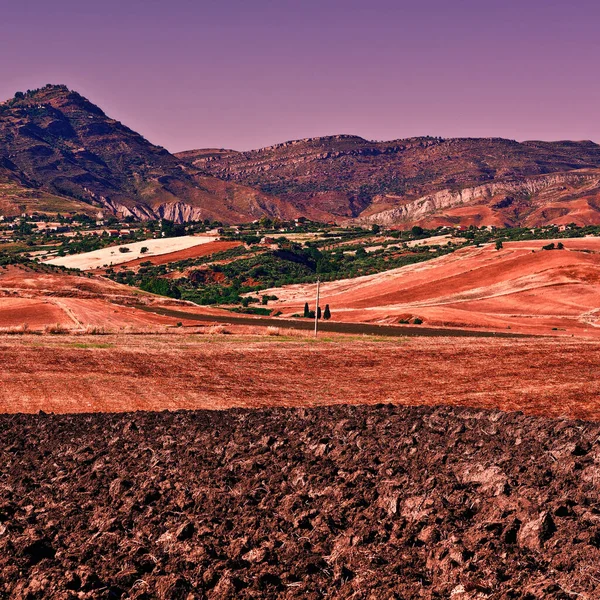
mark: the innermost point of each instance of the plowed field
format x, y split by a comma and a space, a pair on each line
345, 502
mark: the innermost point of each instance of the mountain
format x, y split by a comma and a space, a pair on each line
61, 153
57, 144
431, 181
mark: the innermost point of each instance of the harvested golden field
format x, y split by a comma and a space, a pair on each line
112, 255
66, 373
39, 299
193, 252
521, 288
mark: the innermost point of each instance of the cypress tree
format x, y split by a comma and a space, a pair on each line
318, 312
306, 310
327, 313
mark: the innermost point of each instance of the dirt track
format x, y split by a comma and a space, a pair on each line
327, 326
346, 502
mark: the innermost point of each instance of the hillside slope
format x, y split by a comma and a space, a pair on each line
38, 297
347, 176
521, 287
56, 141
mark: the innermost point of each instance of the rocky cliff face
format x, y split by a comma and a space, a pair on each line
514, 202
55, 140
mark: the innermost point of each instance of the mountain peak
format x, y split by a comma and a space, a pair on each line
49, 90
57, 96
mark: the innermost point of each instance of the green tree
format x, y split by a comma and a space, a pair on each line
318, 312
306, 310
160, 286
499, 245
327, 313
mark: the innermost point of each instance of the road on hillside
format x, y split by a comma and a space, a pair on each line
333, 326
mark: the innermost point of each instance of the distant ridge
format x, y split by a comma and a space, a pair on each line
425, 180
59, 152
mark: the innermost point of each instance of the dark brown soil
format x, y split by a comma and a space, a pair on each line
345, 502
332, 326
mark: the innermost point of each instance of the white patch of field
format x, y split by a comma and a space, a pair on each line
106, 257
299, 237
436, 240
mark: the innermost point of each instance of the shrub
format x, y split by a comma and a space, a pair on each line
55, 329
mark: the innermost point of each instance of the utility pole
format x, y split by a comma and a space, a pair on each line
317, 309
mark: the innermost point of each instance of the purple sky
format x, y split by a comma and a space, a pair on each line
248, 73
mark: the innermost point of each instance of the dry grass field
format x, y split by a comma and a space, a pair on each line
113, 255
38, 300
521, 288
70, 373
193, 252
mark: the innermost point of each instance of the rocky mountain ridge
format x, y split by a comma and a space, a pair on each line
61, 153
352, 178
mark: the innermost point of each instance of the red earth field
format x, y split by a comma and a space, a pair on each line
193, 252
45, 298
66, 373
521, 287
